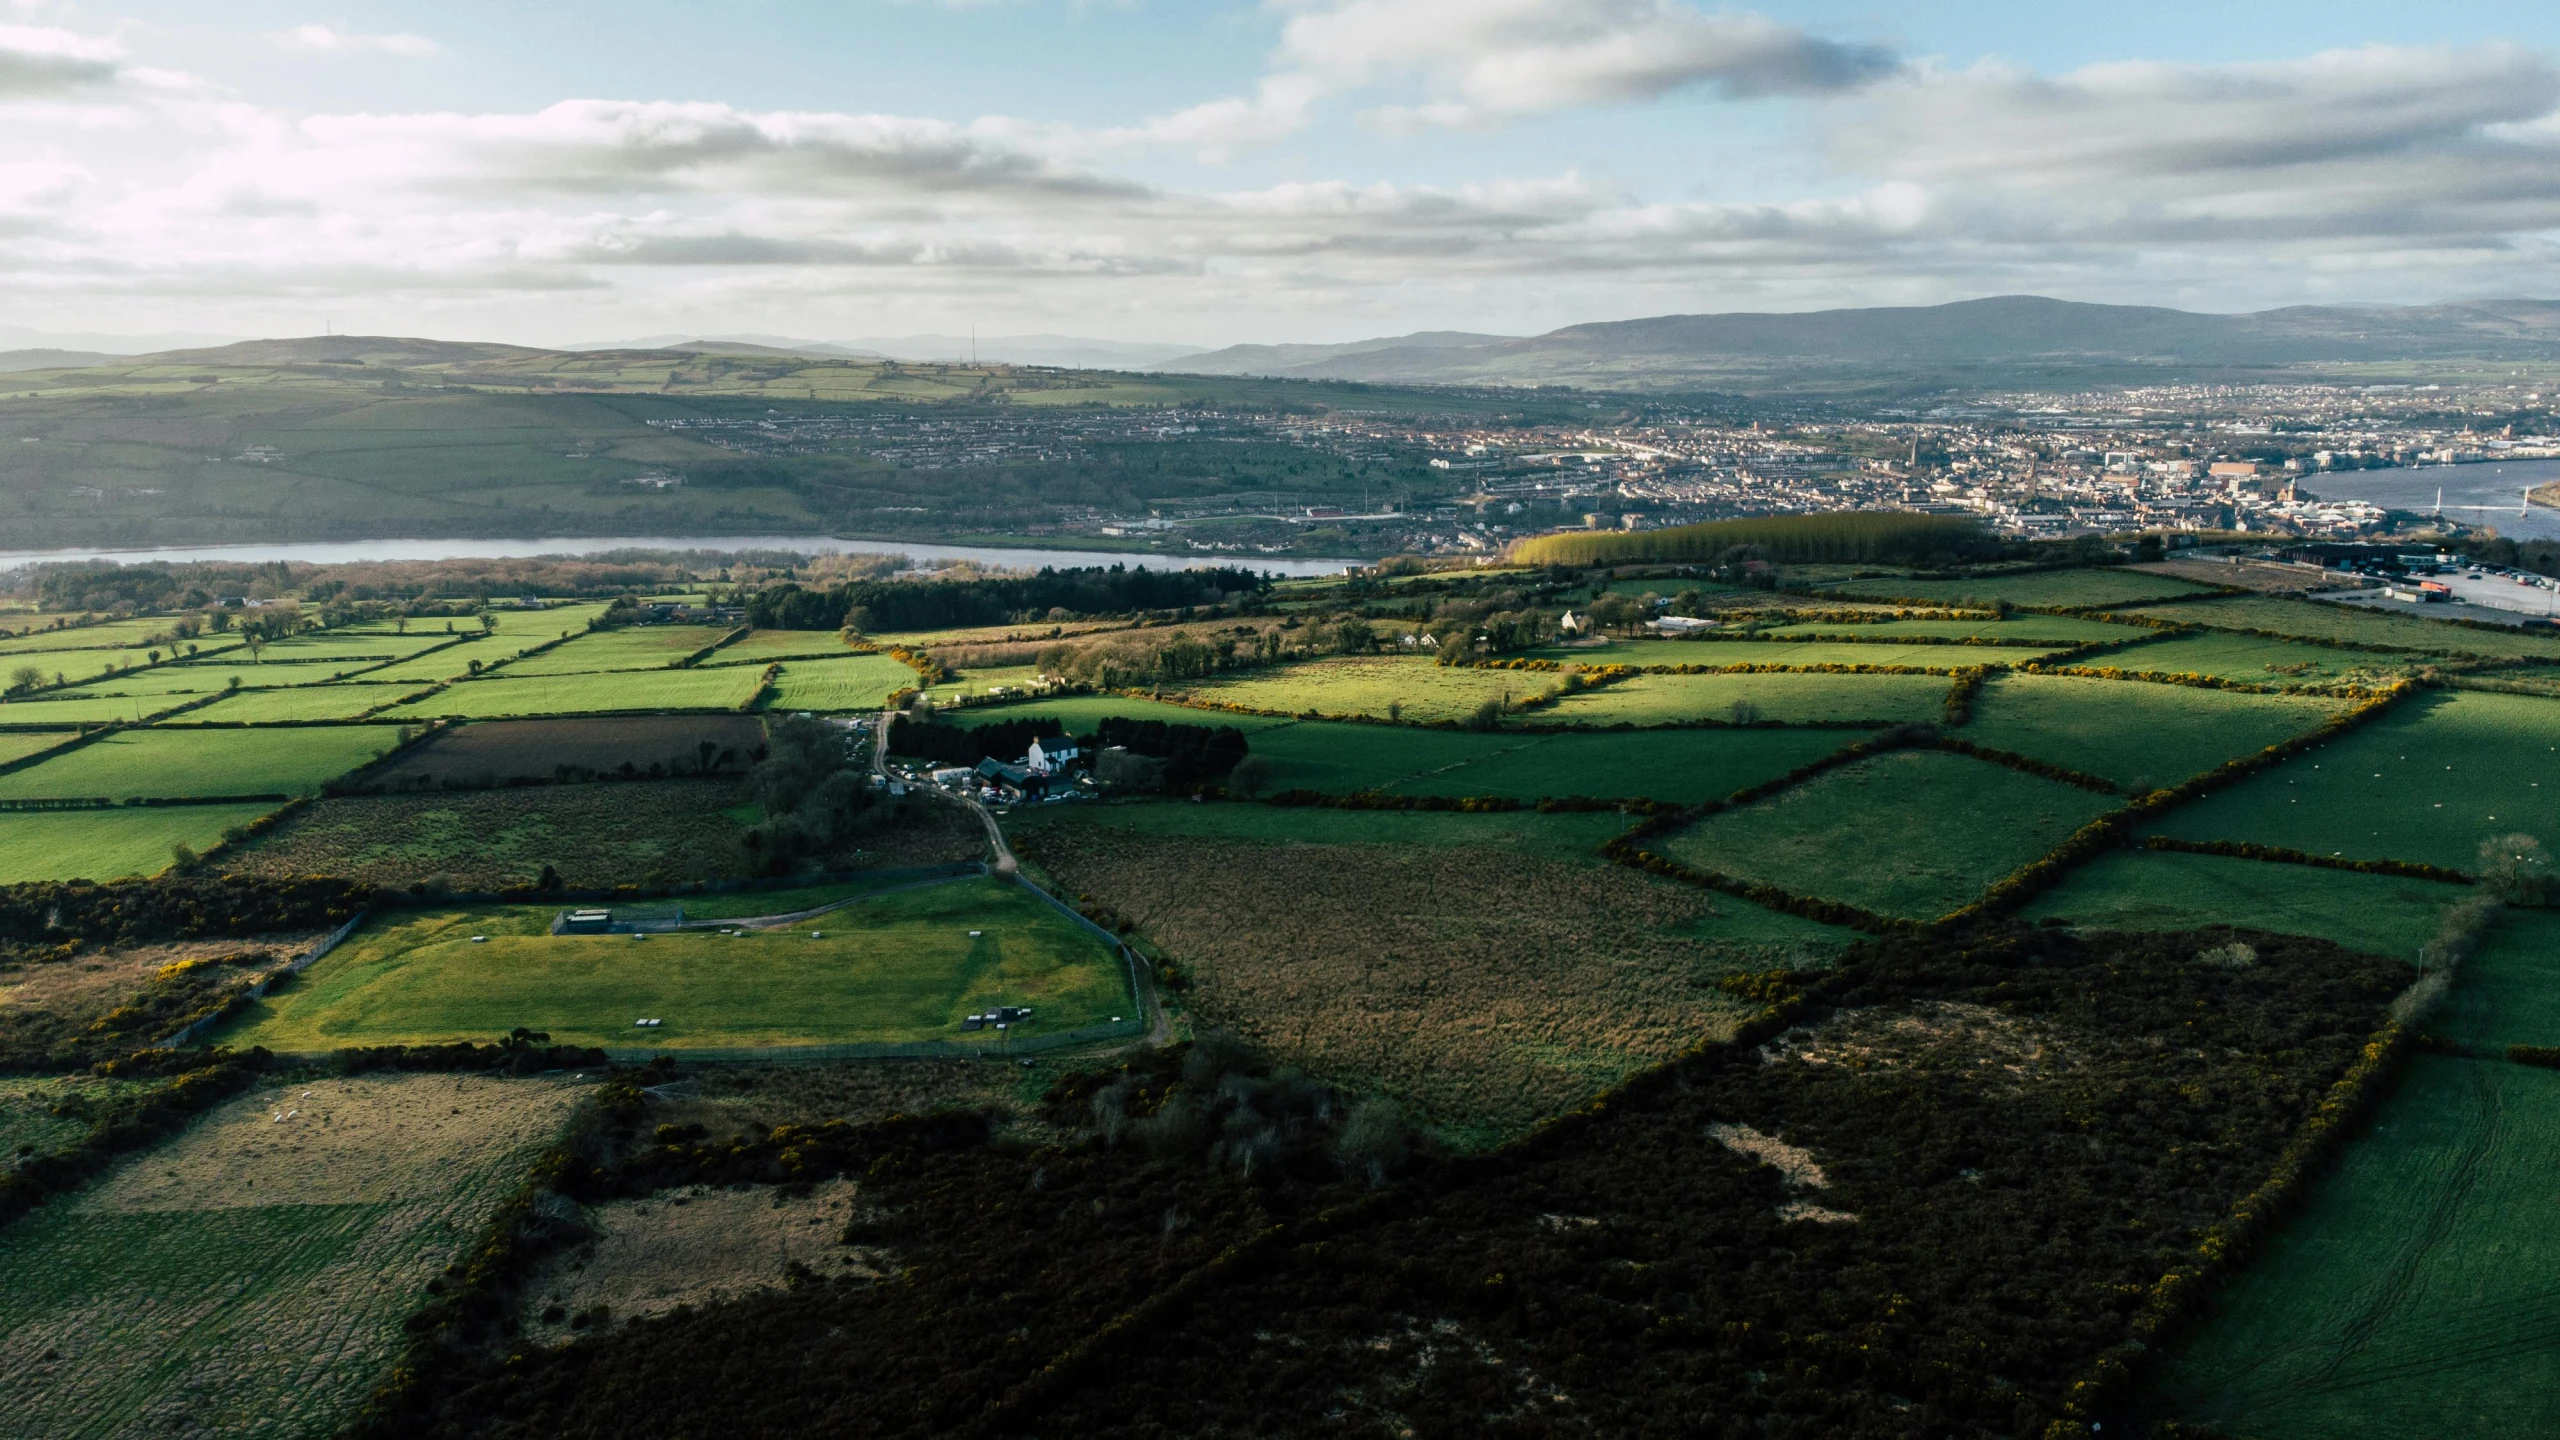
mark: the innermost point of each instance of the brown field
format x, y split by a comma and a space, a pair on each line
1487, 989
249, 1277
492, 752
756, 1098
58, 1014
694, 1246
599, 835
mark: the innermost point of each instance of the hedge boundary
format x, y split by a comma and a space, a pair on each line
2285, 855
126, 1129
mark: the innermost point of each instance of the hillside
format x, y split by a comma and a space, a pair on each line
2014, 339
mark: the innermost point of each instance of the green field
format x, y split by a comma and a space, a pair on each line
2256, 660
1573, 837
82, 667
2413, 1296
2356, 626
358, 645
28, 1124
860, 682
899, 968
1915, 833
249, 1277
107, 844
1681, 766
2426, 782
2167, 890
1845, 651
1365, 686
77, 709
2046, 629
2076, 588
1080, 713
2142, 736
195, 679
636, 647
344, 701
1791, 699
166, 763
108, 634
760, 646
18, 744
506, 695
455, 660
543, 624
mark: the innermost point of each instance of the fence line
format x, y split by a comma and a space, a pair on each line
197, 1029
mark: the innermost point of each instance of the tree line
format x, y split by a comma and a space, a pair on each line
892, 605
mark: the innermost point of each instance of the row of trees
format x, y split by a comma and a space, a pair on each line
894, 605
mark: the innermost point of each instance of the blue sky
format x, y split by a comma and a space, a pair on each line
1210, 173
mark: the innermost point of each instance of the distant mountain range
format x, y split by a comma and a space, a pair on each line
2021, 339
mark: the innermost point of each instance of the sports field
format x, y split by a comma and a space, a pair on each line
1913, 833
506, 695
2356, 626
2414, 1296
1785, 698
859, 682
2076, 588
2428, 781
106, 844
2170, 890
2142, 736
900, 968
169, 763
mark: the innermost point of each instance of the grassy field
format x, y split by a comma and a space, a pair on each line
2165, 890
861, 682
344, 701
171, 763
106, 844
635, 647
2257, 660
455, 660
762, 646
1337, 758
1845, 651
900, 968
28, 1122
507, 694
1081, 713
1484, 985
2316, 621
107, 634
1367, 686
2049, 587
80, 667
2413, 1296
2426, 782
2048, 629
249, 1278
17, 745
1573, 837
1914, 833
77, 710
1677, 765
2139, 735
1792, 699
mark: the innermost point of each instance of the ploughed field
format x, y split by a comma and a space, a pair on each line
900, 968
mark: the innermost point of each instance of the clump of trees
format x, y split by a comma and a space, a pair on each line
1220, 1101
872, 606
812, 791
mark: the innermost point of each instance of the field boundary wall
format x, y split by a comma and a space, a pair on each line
197, 1029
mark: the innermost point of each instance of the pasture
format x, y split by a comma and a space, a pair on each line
360, 646
1680, 766
1842, 645
2256, 660
2168, 890
81, 667
2142, 736
859, 682
345, 701
2314, 620
2407, 1299
1570, 837
168, 763
2077, 589
594, 836
633, 647
1793, 699
77, 709
250, 1276
2018, 629
453, 660
1913, 833
765, 646
19, 744
2428, 781
894, 969
1369, 686
134, 634
506, 694
1081, 713
108, 844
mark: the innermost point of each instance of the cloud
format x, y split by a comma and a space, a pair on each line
45, 63
1488, 62
328, 38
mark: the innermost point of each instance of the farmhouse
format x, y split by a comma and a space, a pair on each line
1011, 779
1052, 753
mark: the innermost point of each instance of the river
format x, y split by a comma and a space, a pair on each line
339, 552
2485, 494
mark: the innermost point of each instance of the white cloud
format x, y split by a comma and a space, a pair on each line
330, 38
38, 62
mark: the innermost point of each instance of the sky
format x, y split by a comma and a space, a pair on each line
1209, 173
